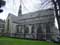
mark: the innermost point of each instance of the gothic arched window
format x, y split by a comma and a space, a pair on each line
33, 29
26, 29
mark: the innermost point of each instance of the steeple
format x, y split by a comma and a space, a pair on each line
20, 9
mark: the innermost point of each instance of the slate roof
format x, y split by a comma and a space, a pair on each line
31, 15
2, 21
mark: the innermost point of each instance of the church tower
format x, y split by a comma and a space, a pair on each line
20, 9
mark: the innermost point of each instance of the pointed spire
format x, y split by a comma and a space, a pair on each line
20, 9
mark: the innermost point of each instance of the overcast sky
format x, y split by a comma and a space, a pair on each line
12, 6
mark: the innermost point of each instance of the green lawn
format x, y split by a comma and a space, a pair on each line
11, 41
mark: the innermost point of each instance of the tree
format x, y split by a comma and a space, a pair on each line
58, 1
2, 3
56, 11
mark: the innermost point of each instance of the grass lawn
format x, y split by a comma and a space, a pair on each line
11, 41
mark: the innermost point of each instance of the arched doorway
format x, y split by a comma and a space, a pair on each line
39, 32
48, 31
26, 31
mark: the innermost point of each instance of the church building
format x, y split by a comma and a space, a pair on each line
34, 25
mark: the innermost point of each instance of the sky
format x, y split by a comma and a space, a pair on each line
12, 6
